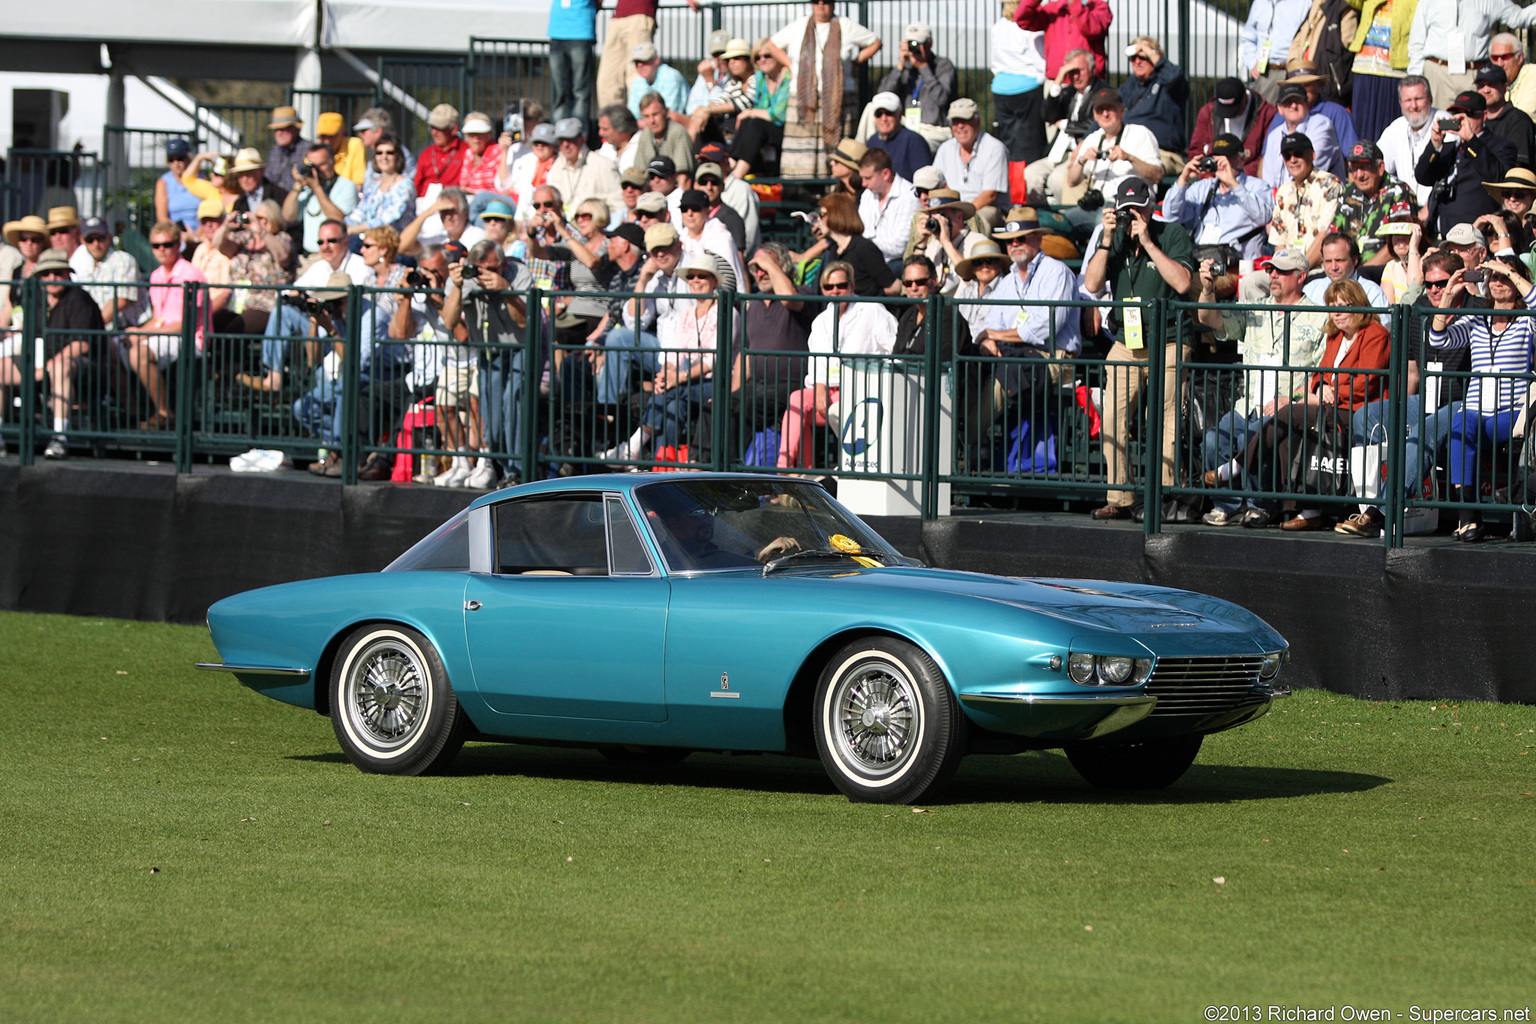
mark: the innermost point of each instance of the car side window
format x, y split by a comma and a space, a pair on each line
557, 536
626, 554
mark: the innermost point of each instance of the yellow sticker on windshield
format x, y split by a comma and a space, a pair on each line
867, 562
847, 545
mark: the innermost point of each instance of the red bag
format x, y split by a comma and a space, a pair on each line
1018, 192
670, 454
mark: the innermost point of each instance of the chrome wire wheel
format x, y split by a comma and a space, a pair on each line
392, 707
887, 726
877, 712
387, 693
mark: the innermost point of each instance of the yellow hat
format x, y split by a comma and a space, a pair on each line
329, 123
210, 208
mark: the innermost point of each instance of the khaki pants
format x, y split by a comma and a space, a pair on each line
1444, 86
1122, 390
615, 69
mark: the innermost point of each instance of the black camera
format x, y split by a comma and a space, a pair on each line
1219, 267
417, 278
1092, 200
932, 224
309, 307
242, 218
1206, 164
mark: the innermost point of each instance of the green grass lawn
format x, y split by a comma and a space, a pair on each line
174, 847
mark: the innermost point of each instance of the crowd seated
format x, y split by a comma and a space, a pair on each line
1056, 281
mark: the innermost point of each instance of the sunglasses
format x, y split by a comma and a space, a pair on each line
178, 159
915, 281
763, 56
835, 286
370, 245
1437, 283
383, 152
51, 274
329, 241
95, 238
584, 216
699, 275
546, 206
691, 208
1141, 57
165, 245
1501, 56
1519, 193
34, 239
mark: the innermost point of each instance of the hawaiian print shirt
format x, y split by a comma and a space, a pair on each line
1360, 215
1305, 210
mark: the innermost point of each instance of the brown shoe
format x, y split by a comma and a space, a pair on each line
1212, 479
1361, 524
1111, 512
256, 383
322, 467
376, 468
1304, 523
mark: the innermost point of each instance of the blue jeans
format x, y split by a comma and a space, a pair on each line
571, 74
624, 350
285, 324
669, 413
501, 403
1227, 441
1469, 431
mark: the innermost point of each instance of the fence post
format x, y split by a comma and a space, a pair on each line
1397, 433
1158, 342
720, 397
351, 386
187, 365
933, 361
32, 337
717, 16
533, 370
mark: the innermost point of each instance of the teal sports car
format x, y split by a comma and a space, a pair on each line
650, 615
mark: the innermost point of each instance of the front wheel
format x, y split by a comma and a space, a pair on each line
887, 726
392, 707
1148, 764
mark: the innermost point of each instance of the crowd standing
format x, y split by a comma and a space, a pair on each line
1360, 157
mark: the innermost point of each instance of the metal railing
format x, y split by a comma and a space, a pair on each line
1035, 425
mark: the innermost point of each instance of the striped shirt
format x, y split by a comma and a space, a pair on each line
1506, 352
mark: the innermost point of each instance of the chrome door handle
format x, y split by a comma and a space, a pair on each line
471, 606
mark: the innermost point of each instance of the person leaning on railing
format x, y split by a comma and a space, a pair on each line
73, 323
842, 328
155, 344
1499, 345
1355, 342
777, 328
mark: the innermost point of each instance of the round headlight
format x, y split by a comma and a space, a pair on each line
1115, 669
1143, 671
1269, 667
1080, 668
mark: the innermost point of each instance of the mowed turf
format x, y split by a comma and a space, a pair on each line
178, 848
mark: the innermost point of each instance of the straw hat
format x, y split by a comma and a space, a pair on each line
63, 217
247, 160
981, 249
285, 117
949, 199
1022, 220
849, 152
31, 224
335, 288
1515, 178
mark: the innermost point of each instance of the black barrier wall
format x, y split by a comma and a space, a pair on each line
1443, 622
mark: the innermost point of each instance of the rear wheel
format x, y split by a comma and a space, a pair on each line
392, 707
1148, 764
887, 726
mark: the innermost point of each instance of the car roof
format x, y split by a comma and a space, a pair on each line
623, 482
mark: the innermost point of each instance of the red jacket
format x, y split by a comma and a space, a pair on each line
1067, 24
1371, 351
1203, 134
441, 166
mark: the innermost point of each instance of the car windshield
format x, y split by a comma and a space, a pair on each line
711, 524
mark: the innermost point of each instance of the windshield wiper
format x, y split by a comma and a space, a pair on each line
808, 554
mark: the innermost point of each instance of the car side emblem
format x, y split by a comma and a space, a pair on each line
725, 688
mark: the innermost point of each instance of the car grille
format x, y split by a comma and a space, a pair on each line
1203, 686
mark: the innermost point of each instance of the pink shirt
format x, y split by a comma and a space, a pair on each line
480, 175
166, 299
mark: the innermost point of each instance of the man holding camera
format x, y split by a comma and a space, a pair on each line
289, 320
1109, 156
318, 194
1141, 259
943, 236
1369, 197
1459, 158
1219, 204
924, 82
1067, 104
478, 295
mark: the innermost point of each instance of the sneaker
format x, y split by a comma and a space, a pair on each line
1361, 524
484, 476
57, 448
1222, 517
456, 476
1259, 518
618, 453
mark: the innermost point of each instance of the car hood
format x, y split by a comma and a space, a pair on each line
1087, 604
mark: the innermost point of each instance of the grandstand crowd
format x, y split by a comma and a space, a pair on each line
1369, 155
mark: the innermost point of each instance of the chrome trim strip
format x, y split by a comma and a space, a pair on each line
1097, 700
255, 670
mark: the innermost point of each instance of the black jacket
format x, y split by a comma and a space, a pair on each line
1057, 107
1459, 196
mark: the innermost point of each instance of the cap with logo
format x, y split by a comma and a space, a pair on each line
719, 39
1230, 94
1289, 260
496, 209
1105, 97
963, 109
1465, 234
643, 53
1290, 92
1132, 192
886, 101
1296, 143
1491, 74
177, 147
1469, 102
95, 227
1364, 150
1228, 145
543, 132
444, 115
1022, 220
918, 32
634, 234
651, 202
661, 167
635, 178
568, 128
929, 177
708, 170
